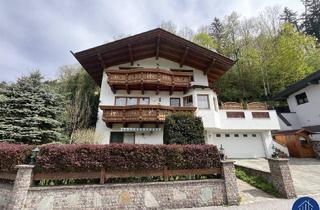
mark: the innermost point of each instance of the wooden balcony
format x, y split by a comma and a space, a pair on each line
139, 113
148, 79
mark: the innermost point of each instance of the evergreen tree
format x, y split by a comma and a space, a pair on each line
29, 111
288, 16
216, 31
311, 18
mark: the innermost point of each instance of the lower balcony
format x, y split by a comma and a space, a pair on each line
139, 113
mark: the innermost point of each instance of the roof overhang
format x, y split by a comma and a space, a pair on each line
309, 80
154, 43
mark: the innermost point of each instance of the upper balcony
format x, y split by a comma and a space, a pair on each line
254, 115
148, 79
139, 113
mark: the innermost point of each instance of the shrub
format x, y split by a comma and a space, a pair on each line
14, 154
71, 157
183, 128
192, 156
77, 158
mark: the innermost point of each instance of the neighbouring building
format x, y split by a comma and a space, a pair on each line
149, 75
301, 123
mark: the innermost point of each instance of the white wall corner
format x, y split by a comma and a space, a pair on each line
267, 141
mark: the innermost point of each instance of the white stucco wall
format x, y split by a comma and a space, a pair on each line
249, 123
308, 113
292, 118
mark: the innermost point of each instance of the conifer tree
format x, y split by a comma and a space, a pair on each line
29, 111
311, 18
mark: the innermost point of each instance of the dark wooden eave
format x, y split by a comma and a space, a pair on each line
153, 43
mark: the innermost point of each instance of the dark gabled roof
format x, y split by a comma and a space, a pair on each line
311, 79
153, 43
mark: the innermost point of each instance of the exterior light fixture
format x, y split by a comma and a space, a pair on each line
221, 152
34, 155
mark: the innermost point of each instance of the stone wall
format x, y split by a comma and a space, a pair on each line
160, 195
5, 192
281, 177
316, 148
152, 195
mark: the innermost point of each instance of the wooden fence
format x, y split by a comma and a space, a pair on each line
103, 174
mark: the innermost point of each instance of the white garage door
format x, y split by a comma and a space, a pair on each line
239, 145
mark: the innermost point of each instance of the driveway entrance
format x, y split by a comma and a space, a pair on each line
305, 173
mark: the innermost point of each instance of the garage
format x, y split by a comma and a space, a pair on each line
239, 145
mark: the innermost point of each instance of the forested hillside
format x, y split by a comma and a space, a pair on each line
272, 50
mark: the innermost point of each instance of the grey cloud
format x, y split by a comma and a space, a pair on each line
39, 34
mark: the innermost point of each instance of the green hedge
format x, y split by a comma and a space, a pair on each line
183, 128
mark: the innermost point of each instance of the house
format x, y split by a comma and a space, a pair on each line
147, 76
303, 98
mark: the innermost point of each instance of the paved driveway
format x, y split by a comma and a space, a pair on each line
305, 173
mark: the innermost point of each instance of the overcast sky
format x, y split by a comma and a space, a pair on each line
39, 34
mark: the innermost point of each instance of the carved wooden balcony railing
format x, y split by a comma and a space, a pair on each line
232, 105
257, 106
148, 79
239, 106
139, 113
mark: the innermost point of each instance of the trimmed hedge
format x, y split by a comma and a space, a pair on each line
183, 128
86, 157
12, 155
77, 158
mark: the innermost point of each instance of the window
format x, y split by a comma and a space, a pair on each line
254, 135
218, 135
302, 140
203, 101
301, 98
122, 137
132, 101
245, 135
116, 138
174, 101
188, 101
121, 101
144, 101
127, 101
227, 135
235, 114
236, 135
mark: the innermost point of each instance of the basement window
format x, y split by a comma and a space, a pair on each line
302, 98
245, 135
227, 135
254, 135
236, 135
218, 135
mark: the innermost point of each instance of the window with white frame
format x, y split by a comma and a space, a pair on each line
203, 101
